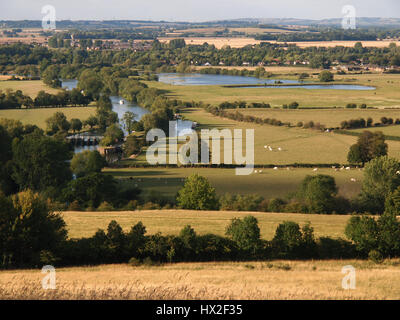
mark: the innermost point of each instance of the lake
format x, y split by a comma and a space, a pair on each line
198, 79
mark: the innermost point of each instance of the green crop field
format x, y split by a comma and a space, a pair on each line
29, 87
327, 117
269, 183
386, 93
84, 224
38, 116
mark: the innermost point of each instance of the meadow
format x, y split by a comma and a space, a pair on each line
38, 116
269, 184
327, 117
283, 280
385, 95
85, 224
28, 87
297, 145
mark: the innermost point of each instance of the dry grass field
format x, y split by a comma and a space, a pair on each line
85, 224
219, 42
30, 87
288, 280
38, 116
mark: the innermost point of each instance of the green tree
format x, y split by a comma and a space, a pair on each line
245, 233
197, 194
50, 76
57, 122
128, 121
369, 146
112, 135
28, 228
381, 179
326, 76
318, 193
87, 162
76, 124
40, 162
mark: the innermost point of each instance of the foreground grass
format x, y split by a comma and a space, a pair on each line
311, 280
38, 116
85, 224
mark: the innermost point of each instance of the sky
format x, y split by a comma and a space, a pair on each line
194, 11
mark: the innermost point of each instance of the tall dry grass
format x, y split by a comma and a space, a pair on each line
245, 280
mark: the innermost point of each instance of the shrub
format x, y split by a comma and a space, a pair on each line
105, 206
375, 256
245, 232
134, 262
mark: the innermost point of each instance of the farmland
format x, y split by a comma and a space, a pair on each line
328, 117
30, 87
85, 224
269, 184
385, 95
38, 116
298, 145
308, 280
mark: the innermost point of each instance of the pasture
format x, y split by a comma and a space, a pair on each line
38, 116
297, 145
85, 224
283, 280
268, 184
28, 87
327, 117
385, 95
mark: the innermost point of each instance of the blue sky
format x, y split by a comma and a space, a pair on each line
189, 10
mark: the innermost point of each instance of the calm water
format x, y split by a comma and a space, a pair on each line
324, 87
183, 126
197, 79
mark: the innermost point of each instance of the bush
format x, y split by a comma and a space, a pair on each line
326, 76
105, 206
245, 233
375, 256
134, 262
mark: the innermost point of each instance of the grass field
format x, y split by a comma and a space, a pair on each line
219, 42
308, 280
390, 130
328, 117
30, 87
385, 95
298, 145
38, 116
269, 184
85, 224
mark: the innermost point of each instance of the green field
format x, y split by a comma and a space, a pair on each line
85, 224
30, 88
327, 117
389, 130
38, 116
298, 145
269, 184
387, 93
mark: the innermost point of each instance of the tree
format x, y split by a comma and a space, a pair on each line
128, 120
369, 146
87, 162
381, 179
112, 135
197, 194
292, 242
326, 76
245, 233
91, 189
57, 122
91, 122
132, 145
40, 162
318, 193
51, 76
76, 125
28, 227
91, 84
6, 183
